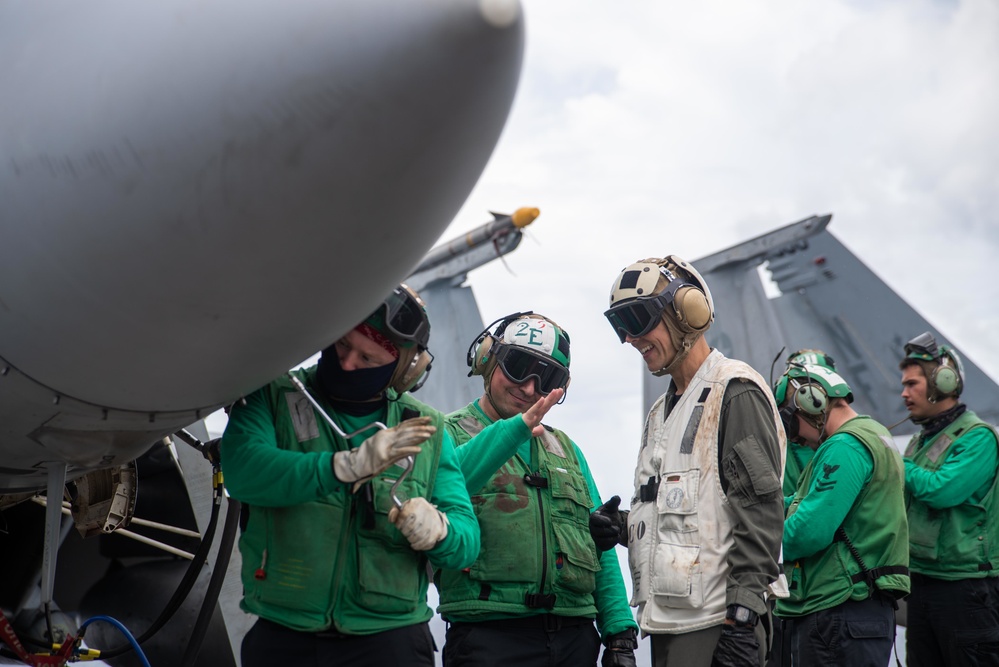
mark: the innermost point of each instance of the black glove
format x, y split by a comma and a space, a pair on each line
737, 647
608, 526
620, 651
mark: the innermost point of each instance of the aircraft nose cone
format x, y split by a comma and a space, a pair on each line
197, 195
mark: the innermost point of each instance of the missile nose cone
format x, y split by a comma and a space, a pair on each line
522, 217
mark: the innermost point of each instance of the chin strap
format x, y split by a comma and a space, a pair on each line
686, 344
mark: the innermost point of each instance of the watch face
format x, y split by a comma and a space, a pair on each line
742, 614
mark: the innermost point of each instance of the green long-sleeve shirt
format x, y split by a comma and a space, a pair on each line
965, 475
287, 483
257, 472
795, 463
842, 467
482, 456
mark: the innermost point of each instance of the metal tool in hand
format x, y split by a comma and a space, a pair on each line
410, 462
329, 420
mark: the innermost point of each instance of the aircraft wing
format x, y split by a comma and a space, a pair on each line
822, 297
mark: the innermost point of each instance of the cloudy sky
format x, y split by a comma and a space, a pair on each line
647, 128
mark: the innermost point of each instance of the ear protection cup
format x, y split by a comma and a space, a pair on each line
946, 379
477, 357
692, 308
416, 373
811, 399
480, 358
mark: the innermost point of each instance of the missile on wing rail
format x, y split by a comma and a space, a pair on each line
477, 247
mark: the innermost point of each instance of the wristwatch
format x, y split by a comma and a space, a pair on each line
743, 616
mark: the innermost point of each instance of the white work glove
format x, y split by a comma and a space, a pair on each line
381, 450
422, 523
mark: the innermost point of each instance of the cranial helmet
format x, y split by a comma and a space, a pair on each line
670, 290
941, 365
806, 390
523, 345
811, 357
402, 317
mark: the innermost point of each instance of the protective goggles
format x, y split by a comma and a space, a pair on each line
637, 317
405, 319
520, 365
923, 346
790, 422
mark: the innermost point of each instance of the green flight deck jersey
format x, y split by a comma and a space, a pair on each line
533, 507
951, 497
856, 471
315, 555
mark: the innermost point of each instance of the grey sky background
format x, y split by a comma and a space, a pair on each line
651, 128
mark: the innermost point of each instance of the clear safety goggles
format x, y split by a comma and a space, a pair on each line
520, 365
405, 319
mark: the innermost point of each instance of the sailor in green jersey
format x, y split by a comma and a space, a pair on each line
799, 455
797, 458
845, 536
951, 495
335, 570
532, 596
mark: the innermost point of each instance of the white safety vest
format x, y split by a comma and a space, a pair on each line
679, 535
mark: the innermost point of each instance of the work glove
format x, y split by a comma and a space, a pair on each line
422, 523
608, 525
737, 647
381, 450
620, 650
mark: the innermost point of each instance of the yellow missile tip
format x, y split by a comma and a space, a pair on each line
522, 217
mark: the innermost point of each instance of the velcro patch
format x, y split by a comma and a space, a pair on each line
303, 416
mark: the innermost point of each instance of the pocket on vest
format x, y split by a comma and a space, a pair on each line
388, 570
924, 532
570, 497
509, 544
388, 577
676, 576
676, 502
292, 578
579, 564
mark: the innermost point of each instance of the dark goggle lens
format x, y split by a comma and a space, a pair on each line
790, 422
520, 366
923, 346
404, 318
635, 318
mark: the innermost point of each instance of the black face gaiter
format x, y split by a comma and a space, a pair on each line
357, 392
936, 423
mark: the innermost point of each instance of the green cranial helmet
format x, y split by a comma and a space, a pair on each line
941, 365
807, 390
523, 346
811, 357
538, 334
